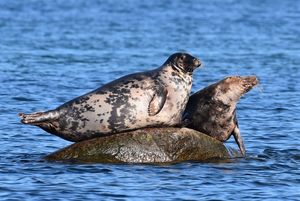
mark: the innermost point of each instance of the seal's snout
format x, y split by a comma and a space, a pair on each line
249, 82
252, 80
197, 62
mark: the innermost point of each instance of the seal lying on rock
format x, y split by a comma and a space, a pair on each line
147, 99
212, 110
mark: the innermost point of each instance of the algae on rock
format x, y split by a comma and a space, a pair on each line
149, 145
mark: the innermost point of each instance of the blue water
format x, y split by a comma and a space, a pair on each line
53, 51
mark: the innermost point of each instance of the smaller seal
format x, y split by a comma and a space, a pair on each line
212, 110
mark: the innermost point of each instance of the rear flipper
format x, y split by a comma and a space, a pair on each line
38, 117
239, 140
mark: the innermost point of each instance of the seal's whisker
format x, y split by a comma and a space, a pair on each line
260, 89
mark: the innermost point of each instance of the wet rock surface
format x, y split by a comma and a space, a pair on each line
150, 145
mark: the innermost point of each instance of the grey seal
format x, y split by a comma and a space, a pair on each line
148, 99
212, 110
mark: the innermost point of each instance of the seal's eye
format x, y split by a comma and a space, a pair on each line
181, 58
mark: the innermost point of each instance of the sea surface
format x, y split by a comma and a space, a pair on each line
53, 51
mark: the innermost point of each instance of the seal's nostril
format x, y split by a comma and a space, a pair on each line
197, 62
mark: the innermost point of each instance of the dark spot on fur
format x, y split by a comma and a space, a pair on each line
128, 82
74, 125
135, 86
85, 119
100, 92
89, 108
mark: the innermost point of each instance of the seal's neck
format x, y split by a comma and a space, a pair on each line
231, 97
180, 69
174, 73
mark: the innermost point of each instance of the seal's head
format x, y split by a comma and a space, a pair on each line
233, 87
183, 62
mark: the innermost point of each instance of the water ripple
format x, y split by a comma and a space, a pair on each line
53, 51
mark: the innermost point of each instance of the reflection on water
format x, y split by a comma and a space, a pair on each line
53, 51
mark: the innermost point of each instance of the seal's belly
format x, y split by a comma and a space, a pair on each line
106, 113
114, 112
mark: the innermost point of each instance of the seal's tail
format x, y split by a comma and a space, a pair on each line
38, 117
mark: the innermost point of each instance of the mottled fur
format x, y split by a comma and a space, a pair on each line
153, 98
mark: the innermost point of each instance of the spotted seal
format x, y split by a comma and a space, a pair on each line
148, 99
212, 110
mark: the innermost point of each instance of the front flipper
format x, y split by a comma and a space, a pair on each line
239, 140
157, 102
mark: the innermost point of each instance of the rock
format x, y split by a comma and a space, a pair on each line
150, 145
